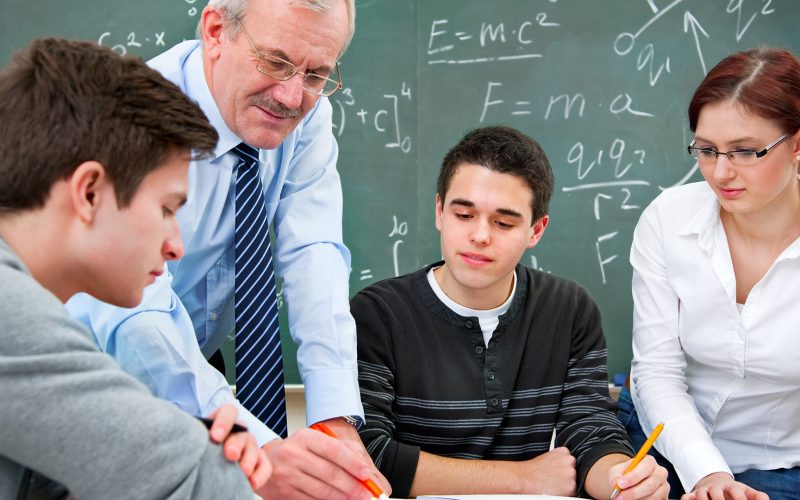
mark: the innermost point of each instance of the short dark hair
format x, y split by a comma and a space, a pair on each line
65, 102
764, 81
505, 150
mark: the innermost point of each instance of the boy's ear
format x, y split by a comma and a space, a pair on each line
537, 230
439, 209
85, 185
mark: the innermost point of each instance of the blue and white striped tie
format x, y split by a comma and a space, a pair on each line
259, 364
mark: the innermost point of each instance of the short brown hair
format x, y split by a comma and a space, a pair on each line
764, 81
508, 151
65, 102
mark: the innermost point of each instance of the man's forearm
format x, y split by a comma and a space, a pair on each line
596, 484
442, 475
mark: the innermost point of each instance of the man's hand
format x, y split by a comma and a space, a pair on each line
647, 480
239, 446
348, 434
722, 486
551, 473
310, 465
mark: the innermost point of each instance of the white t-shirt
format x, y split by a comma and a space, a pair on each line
488, 318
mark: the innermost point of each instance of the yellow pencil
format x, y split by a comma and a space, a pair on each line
639, 456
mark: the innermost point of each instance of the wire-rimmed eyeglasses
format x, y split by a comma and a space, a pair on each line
281, 69
737, 156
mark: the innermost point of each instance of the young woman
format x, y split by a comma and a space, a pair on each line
716, 333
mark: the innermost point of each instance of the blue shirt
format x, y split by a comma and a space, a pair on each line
188, 312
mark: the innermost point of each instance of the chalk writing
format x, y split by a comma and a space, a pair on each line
131, 40
625, 42
385, 121
398, 229
519, 36
737, 7
572, 105
193, 9
607, 260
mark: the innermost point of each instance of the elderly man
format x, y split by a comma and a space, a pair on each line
261, 72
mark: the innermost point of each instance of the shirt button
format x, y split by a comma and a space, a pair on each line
479, 349
468, 324
490, 376
494, 402
213, 317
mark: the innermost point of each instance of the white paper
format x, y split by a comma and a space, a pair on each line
492, 497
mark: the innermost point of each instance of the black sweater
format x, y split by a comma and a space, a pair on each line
428, 383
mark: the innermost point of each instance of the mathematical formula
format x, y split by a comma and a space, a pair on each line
383, 119
124, 42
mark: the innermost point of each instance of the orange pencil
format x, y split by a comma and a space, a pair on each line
368, 483
639, 456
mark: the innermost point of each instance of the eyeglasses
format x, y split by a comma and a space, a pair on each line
708, 156
280, 69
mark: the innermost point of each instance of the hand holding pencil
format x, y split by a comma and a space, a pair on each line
308, 464
639, 456
368, 483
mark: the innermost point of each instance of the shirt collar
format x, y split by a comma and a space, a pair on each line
704, 222
197, 88
792, 251
442, 311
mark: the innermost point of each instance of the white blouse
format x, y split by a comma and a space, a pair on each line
725, 383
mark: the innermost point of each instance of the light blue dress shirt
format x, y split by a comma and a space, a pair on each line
188, 312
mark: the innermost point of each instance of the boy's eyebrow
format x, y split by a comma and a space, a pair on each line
177, 198
509, 212
502, 211
463, 202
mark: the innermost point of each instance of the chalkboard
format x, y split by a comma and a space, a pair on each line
603, 85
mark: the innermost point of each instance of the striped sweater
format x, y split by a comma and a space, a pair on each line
428, 383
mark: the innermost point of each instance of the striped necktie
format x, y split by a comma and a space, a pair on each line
259, 365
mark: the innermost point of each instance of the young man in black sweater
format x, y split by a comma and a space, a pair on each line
468, 366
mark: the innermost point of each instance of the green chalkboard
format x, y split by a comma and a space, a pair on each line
603, 85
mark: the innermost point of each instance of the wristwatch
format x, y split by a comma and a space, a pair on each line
351, 420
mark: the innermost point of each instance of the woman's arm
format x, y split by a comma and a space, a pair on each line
658, 369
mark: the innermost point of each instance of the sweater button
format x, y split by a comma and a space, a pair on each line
494, 402
468, 324
479, 349
490, 376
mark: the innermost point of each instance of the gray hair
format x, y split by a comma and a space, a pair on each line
235, 9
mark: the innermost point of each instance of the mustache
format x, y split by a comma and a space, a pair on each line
273, 106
